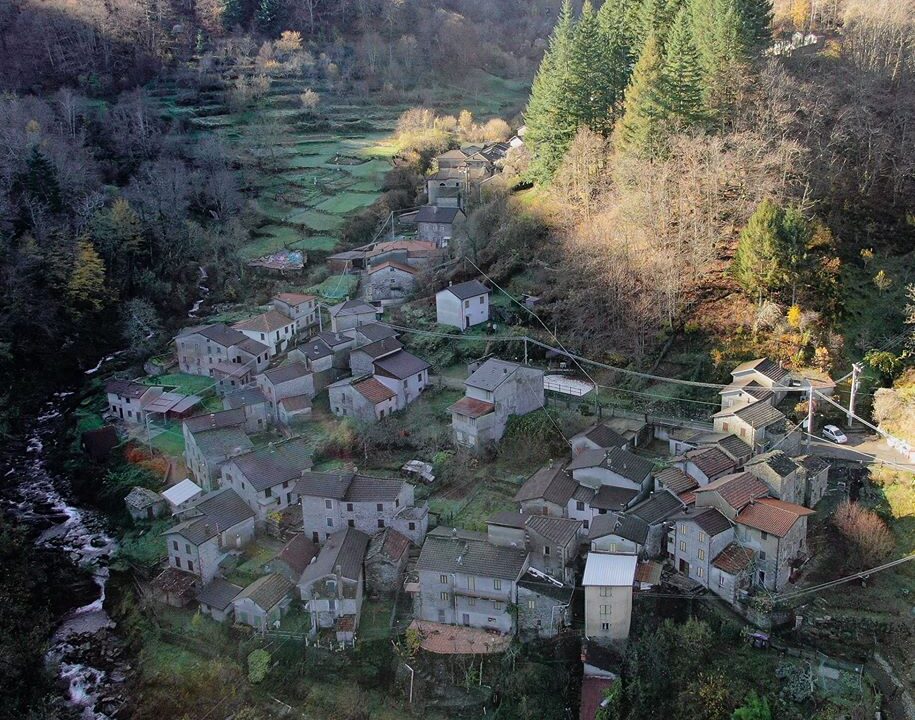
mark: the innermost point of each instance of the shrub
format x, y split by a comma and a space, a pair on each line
869, 535
258, 665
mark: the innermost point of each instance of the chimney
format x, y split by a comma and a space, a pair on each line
454, 533
449, 283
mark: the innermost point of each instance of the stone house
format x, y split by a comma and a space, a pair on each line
758, 424
332, 501
599, 436
390, 280
552, 542
272, 328
332, 586
291, 561
544, 605
254, 403
371, 333
496, 391
696, 539
615, 467
363, 398
608, 583
759, 373
777, 532
298, 306
779, 473
729, 494
350, 314
618, 533
705, 464
735, 448
182, 495
293, 409
439, 225
415, 253
128, 399
445, 188
265, 478
404, 373
145, 504
290, 380
385, 560
466, 580
463, 305
813, 477
362, 359
678, 482
210, 440
264, 602
655, 511
201, 349
731, 572
220, 522
316, 354
215, 599
340, 344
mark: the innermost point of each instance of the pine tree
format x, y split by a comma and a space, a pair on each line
38, 182
756, 20
233, 13
681, 92
619, 21
641, 129
269, 15
549, 116
759, 263
86, 290
594, 74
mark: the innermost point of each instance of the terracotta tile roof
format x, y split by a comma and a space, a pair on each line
393, 264
688, 497
295, 403
293, 298
708, 519
373, 390
648, 572
395, 544
675, 480
455, 640
471, 407
737, 489
298, 552
265, 322
775, 517
733, 559
592, 694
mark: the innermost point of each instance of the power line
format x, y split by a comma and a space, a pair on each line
847, 578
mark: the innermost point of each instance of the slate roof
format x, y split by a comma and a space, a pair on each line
711, 461
220, 334
141, 498
609, 497
780, 463
285, 373
274, 464
763, 366
352, 307
332, 339
469, 553
297, 553
603, 436
436, 214
244, 397
733, 559
555, 529
401, 365
534, 584
772, 516
757, 414
267, 592
709, 520
323, 484
221, 443
550, 483
737, 489
659, 506
267, 322
508, 518
252, 346
296, 402
344, 550
734, 447
218, 593
813, 463
467, 290
380, 348
491, 374
374, 332
372, 390
216, 512
216, 420
315, 349
349, 487
471, 407
616, 460
126, 388
624, 525
675, 480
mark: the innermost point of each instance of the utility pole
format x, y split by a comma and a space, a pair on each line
525, 349
809, 416
855, 375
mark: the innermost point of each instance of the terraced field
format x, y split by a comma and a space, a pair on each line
302, 182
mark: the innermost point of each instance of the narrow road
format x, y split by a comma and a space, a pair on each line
861, 447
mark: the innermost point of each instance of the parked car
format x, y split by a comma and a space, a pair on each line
831, 432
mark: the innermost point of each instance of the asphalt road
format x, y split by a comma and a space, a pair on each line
861, 447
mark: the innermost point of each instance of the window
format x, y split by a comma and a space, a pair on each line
330, 522
467, 303
684, 529
328, 504
546, 551
580, 505
605, 592
604, 609
268, 492
482, 299
379, 507
701, 554
762, 555
443, 596
411, 525
175, 543
743, 432
585, 524
531, 604
498, 605
724, 427
443, 579
190, 566
285, 483
177, 562
763, 535
720, 580
187, 549
762, 577
349, 507
497, 584
605, 626
381, 522
701, 536
700, 572
351, 523
683, 546
471, 601
397, 502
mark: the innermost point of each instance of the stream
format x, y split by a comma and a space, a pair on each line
88, 658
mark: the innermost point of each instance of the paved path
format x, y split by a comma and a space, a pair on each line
861, 447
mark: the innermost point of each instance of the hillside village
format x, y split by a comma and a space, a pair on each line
264, 534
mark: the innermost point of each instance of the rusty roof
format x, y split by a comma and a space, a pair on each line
471, 407
265, 322
373, 390
733, 559
737, 489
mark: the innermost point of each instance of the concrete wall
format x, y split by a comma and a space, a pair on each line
304, 315
615, 544
608, 612
348, 322
408, 389
249, 613
451, 310
478, 603
779, 552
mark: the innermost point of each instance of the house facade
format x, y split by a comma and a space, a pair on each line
497, 390
363, 398
439, 225
696, 539
289, 380
210, 440
813, 476
201, 349
299, 307
128, 400
350, 314
463, 305
254, 403
264, 602
390, 280
608, 583
544, 605
779, 473
273, 329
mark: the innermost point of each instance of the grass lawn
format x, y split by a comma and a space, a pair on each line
171, 440
376, 616
144, 545
182, 383
316, 220
336, 287
319, 243
346, 202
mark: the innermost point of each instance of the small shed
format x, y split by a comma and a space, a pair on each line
291, 561
385, 561
145, 504
215, 598
264, 602
183, 495
294, 409
175, 587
